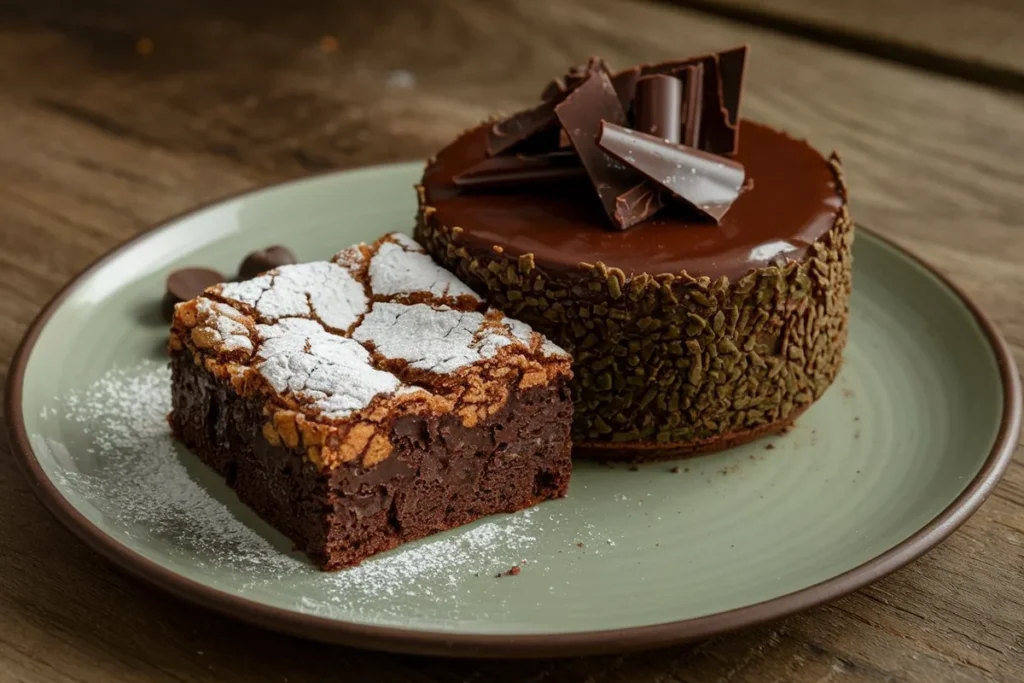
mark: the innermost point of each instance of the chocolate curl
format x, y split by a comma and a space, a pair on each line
716, 135
693, 82
732, 65
709, 182
638, 203
659, 104
582, 114
721, 84
513, 171
523, 127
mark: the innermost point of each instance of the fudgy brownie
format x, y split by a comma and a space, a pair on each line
367, 401
697, 319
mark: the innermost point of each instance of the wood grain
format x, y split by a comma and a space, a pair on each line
97, 142
984, 32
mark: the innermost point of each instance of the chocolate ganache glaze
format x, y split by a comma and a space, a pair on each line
793, 202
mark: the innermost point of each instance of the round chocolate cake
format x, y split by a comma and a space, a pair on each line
688, 334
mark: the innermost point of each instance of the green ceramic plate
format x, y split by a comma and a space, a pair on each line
905, 446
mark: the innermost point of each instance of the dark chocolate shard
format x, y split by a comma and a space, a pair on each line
659, 105
581, 72
732, 65
693, 103
719, 130
517, 132
638, 203
709, 182
512, 171
542, 142
625, 87
582, 114
520, 127
553, 90
716, 135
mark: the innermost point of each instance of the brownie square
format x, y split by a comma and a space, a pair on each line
363, 402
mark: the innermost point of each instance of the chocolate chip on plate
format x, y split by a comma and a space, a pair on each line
262, 260
187, 283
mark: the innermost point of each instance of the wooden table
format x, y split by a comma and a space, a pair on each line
116, 114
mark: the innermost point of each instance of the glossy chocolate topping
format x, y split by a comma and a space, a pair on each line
793, 203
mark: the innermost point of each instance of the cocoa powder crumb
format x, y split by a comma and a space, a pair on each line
674, 470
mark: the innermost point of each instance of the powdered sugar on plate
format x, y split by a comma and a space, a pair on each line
436, 569
132, 479
138, 481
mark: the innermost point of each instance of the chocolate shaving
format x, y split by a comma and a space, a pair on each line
732, 66
512, 171
520, 127
519, 130
582, 114
659, 104
692, 77
580, 129
716, 135
709, 182
638, 203
625, 87
719, 130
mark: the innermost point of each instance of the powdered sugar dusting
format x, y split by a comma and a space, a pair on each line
406, 242
402, 267
552, 350
306, 315
329, 373
520, 331
439, 340
325, 290
524, 333
225, 323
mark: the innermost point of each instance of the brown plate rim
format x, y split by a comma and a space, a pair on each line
442, 643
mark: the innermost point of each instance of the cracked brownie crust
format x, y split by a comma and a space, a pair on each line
363, 402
